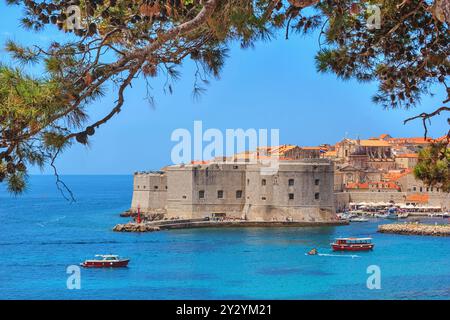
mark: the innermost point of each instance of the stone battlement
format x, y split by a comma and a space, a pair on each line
294, 190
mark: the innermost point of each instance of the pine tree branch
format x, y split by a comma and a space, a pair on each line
426, 116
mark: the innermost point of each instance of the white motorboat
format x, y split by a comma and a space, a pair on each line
359, 219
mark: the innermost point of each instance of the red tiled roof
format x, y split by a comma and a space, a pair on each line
199, 162
375, 185
415, 140
374, 143
417, 197
393, 176
407, 155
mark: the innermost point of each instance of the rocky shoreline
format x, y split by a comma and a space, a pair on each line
415, 229
135, 227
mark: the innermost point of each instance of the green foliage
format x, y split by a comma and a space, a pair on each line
17, 183
433, 166
406, 54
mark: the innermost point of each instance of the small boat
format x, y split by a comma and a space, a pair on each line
381, 216
313, 252
352, 244
361, 219
106, 261
392, 216
403, 215
440, 214
347, 216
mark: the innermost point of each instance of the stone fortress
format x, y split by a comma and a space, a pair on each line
239, 191
310, 184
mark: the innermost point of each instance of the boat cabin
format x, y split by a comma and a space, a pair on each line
353, 240
108, 257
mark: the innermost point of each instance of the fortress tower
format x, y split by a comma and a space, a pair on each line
300, 190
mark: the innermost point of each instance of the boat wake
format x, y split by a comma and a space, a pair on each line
338, 255
43, 224
335, 255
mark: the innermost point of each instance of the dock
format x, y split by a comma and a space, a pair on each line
200, 223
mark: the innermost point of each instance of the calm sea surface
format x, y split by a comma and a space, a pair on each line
41, 234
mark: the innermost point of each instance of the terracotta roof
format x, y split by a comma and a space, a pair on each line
356, 185
331, 154
393, 176
374, 143
415, 140
277, 150
417, 197
407, 155
384, 136
199, 162
313, 148
376, 185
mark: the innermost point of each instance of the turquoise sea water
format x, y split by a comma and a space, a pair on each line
41, 234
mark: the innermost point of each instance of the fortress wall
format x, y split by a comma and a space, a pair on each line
179, 192
294, 213
149, 192
271, 201
212, 178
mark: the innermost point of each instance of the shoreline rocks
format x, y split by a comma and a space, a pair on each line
145, 216
135, 227
415, 229
127, 214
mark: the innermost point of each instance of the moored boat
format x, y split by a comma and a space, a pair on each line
392, 213
347, 216
106, 261
392, 216
352, 244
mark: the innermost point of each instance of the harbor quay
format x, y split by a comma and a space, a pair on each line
202, 223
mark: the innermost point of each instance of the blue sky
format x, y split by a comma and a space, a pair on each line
275, 85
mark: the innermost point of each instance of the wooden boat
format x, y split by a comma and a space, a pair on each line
352, 244
106, 261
